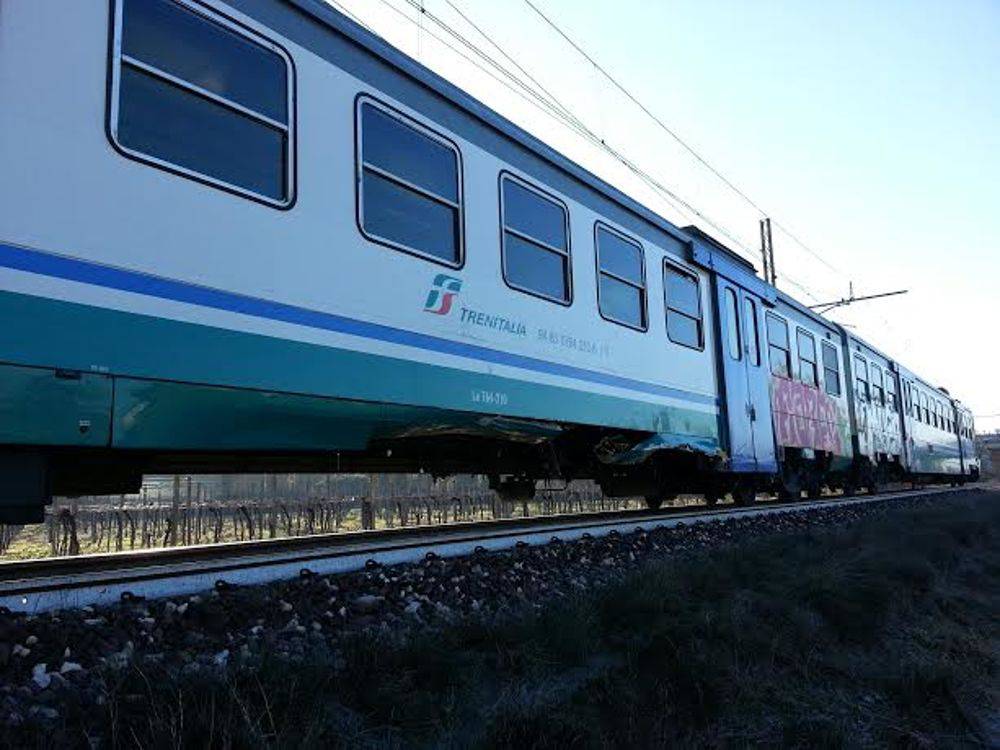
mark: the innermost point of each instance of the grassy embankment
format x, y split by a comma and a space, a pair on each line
880, 633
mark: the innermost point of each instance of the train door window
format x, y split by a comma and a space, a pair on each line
195, 94
806, 345
535, 241
409, 185
907, 398
752, 330
682, 297
831, 369
621, 278
861, 379
778, 346
878, 386
733, 325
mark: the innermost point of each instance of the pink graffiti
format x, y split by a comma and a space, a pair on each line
804, 417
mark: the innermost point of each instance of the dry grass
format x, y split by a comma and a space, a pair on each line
878, 634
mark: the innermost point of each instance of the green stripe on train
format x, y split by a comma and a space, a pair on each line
236, 390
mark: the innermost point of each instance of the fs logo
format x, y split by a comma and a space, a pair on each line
443, 292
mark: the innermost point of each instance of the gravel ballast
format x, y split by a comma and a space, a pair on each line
66, 662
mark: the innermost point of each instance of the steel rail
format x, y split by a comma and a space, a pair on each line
71, 582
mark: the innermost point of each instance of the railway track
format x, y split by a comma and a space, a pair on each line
61, 583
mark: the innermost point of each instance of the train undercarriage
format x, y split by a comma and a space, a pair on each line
30, 477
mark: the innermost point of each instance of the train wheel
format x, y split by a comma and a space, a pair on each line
654, 502
744, 496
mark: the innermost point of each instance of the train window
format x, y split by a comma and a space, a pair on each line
806, 345
197, 95
861, 379
682, 296
831, 369
778, 346
878, 386
535, 241
890, 391
925, 409
752, 331
733, 325
409, 186
621, 278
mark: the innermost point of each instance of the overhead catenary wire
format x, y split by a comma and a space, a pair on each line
561, 112
673, 134
545, 101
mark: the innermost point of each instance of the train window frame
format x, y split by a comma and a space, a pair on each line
865, 393
600, 226
826, 346
734, 329
675, 268
538, 243
360, 166
803, 334
752, 330
891, 391
119, 61
877, 383
787, 350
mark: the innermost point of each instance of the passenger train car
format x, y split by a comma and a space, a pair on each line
249, 235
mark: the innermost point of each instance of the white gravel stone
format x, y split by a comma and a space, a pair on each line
40, 676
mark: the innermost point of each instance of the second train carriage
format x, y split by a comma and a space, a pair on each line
248, 235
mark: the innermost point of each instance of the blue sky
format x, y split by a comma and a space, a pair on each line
870, 130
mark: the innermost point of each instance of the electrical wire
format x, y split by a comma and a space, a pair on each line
544, 100
669, 131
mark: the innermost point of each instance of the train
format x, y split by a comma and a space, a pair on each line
250, 235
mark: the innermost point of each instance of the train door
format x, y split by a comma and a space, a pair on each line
748, 403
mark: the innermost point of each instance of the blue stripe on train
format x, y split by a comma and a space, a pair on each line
72, 269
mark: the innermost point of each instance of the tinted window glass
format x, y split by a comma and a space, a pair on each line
878, 393
619, 257
621, 279
166, 122
622, 302
532, 214
399, 215
682, 292
831, 370
733, 325
753, 334
206, 54
777, 332
683, 304
410, 196
778, 350
530, 266
538, 261
408, 154
861, 378
807, 358
684, 330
